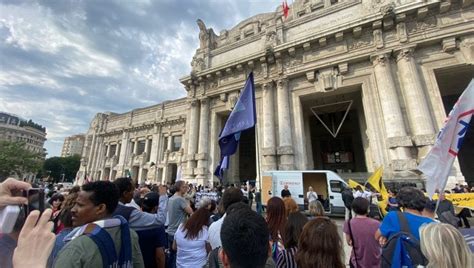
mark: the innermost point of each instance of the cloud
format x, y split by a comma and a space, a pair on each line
64, 61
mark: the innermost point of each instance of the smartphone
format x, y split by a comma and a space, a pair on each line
36, 200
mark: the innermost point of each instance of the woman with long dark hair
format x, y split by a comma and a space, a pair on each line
276, 220
190, 240
294, 226
320, 245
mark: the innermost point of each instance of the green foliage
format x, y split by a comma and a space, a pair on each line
55, 167
32, 124
15, 159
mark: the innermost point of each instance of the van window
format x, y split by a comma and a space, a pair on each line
336, 186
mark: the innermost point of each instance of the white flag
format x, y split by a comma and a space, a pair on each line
438, 162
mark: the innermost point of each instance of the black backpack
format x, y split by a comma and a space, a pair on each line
409, 242
347, 197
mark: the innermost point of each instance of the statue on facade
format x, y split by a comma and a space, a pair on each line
207, 37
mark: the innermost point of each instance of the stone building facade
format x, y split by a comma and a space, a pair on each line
340, 85
16, 129
73, 145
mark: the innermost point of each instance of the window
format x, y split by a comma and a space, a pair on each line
336, 186
113, 150
176, 143
141, 147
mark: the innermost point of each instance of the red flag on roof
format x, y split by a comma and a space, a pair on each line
286, 8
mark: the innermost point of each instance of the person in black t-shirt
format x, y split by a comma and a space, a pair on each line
285, 192
152, 241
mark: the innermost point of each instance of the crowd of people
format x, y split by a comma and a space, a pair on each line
120, 224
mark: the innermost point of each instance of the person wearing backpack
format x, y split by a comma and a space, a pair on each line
359, 232
399, 232
100, 239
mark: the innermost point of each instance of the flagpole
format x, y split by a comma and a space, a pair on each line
257, 145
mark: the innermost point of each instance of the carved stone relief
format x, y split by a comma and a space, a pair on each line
328, 79
415, 26
364, 41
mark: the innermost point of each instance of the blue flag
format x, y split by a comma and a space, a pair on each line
243, 117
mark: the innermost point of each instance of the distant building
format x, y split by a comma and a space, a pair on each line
73, 145
16, 129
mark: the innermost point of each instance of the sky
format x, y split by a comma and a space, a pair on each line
63, 61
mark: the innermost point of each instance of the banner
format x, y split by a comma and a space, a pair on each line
439, 161
464, 200
199, 195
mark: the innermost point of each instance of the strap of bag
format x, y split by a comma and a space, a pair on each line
353, 242
103, 241
402, 220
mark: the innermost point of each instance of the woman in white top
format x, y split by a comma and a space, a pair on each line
311, 195
190, 240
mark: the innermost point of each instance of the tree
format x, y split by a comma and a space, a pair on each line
55, 167
15, 159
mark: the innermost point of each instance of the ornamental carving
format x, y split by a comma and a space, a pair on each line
378, 38
271, 40
381, 59
207, 37
198, 64
405, 54
421, 26
363, 41
402, 32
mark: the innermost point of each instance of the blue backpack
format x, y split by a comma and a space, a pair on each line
403, 248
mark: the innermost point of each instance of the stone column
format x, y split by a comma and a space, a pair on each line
147, 150
124, 151
285, 148
107, 154
419, 118
214, 155
397, 140
118, 148
155, 145
192, 139
91, 156
99, 156
135, 146
170, 143
203, 142
268, 139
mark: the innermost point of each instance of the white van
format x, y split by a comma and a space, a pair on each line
327, 184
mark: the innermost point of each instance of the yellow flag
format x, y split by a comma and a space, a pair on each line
353, 184
375, 180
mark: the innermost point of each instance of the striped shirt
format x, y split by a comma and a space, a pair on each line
287, 259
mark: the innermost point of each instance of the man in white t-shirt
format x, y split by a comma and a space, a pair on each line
243, 188
311, 195
362, 193
230, 196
